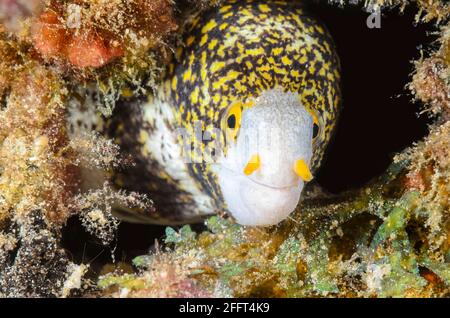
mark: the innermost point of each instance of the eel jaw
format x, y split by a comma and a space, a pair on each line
255, 204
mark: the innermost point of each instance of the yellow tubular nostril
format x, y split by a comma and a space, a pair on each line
302, 170
253, 164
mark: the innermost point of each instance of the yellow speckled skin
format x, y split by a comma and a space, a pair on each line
230, 55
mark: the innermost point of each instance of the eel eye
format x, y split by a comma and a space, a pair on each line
316, 124
231, 121
316, 130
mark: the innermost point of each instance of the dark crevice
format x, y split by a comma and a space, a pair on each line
378, 117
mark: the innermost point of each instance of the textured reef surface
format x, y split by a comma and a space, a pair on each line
390, 238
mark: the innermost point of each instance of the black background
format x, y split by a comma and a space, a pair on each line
378, 117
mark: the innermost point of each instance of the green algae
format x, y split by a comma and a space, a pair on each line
358, 244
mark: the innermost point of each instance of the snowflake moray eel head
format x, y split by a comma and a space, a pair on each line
243, 118
263, 171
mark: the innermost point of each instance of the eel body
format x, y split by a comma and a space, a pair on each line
242, 65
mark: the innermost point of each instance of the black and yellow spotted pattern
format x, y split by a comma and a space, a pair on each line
228, 57
235, 52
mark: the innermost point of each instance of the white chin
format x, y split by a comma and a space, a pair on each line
254, 204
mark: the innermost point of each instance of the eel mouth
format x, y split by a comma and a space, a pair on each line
255, 203
233, 173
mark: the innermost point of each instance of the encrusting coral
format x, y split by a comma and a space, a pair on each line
387, 239
92, 33
40, 163
36, 181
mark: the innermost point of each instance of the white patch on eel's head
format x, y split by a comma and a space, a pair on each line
278, 129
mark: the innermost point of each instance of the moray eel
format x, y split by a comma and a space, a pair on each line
242, 119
